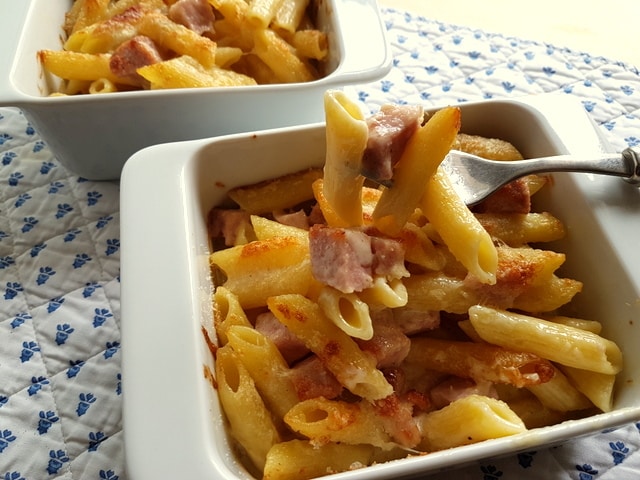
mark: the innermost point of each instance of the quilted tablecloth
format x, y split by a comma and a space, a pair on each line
60, 372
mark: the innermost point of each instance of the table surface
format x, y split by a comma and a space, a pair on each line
600, 28
60, 371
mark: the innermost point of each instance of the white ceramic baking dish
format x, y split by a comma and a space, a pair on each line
166, 193
94, 135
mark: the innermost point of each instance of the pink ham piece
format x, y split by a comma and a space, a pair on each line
389, 345
291, 348
348, 259
228, 224
389, 131
133, 54
196, 15
311, 379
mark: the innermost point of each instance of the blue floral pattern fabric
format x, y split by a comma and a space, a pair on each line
60, 372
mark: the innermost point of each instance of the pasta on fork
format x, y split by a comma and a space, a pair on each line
371, 315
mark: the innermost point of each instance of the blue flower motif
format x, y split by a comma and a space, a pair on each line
89, 289
619, 452
39, 145
567, 89
93, 197
30, 130
8, 157
632, 141
401, 39
45, 274
108, 475
6, 262
362, 96
491, 472
63, 209
4, 137
627, 89
28, 350
95, 438
431, 69
3, 400
119, 384
111, 350
101, 316
386, 85
3, 235
46, 167
589, 105
409, 78
6, 437
453, 63
74, 368
13, 476
86, 399
508, 86
36, 249
81, 260
586, 471
22, 198
13, 288
62, 333
36, 385
609, 125
71, 235
475, 55
54, 187
57, 459
29, 223
47, 419
19, 319
548, 71
525, 459
104, 221
469, 80
113, 245
54, 304
529, 55
14, 179
457, 39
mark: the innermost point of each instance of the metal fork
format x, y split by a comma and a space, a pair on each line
475, 178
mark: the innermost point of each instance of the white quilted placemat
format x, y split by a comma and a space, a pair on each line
60, 395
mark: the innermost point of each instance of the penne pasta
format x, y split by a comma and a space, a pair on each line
563, 344
244, 408
347, 312
460, 230
341, 355
481, 362
419, 161
469, 420
346, 140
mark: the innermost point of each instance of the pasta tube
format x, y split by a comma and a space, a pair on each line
424, 151
563, 344
469, 420
347, 134
339, 352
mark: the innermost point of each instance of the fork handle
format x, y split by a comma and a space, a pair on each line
625, 164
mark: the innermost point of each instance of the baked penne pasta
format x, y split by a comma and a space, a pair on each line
265, 268
244, 408
424, 152
346, 140
469, 420
377, 323
481, 362
460, 230
341, 355
324, 421
300, 460
347, 312
563, 344
267, 367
